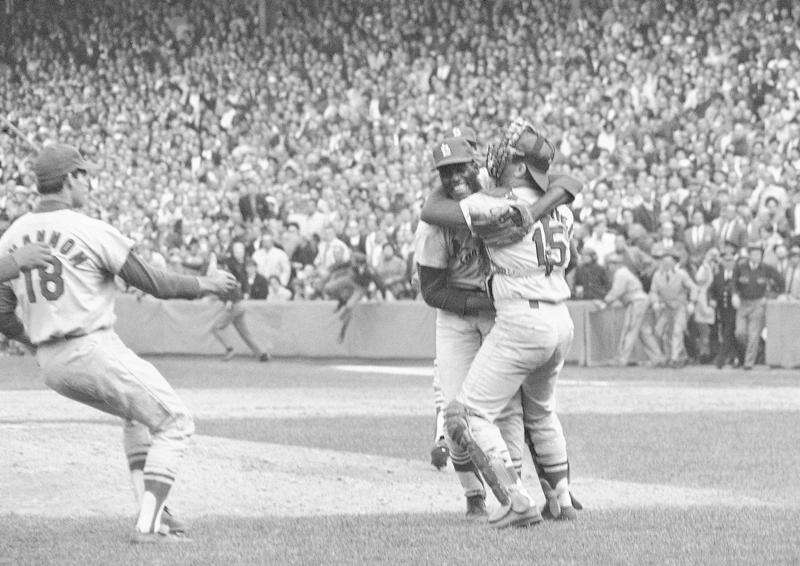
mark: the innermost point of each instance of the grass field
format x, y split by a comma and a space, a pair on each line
325, 462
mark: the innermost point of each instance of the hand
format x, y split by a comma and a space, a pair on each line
736, 301
600, 305
690, 309
32, 255
712, 303
218, 283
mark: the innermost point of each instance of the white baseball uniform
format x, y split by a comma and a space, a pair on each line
458, 338
530, 339
68, 312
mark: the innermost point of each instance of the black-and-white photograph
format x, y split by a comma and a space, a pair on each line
399, 282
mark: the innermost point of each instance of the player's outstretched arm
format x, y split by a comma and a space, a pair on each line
440, 210
438, 294
28, 256
164, 285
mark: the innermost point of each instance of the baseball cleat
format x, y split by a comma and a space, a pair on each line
560, 505
476, 507
171, 524
159, 538
520, 512
439, 454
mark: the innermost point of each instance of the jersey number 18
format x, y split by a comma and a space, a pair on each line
51, 284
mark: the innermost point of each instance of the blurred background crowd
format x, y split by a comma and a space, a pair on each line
286, 139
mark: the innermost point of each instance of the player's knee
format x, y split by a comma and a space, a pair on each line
180, 425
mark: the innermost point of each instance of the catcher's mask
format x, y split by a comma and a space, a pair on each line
523, 142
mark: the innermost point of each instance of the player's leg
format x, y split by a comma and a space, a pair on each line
223, 321
457, 341
543, 430
520, 340
100, 371
513, 431
241, 327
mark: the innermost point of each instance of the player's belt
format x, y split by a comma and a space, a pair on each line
534, 304
71, 336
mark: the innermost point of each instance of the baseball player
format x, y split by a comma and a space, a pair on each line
452, 269
531, 336
68, 313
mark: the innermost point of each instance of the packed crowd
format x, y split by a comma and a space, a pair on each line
301, 136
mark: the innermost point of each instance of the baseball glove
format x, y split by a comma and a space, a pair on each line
504, 225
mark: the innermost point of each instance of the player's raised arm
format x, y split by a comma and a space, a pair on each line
165, 285
28, 256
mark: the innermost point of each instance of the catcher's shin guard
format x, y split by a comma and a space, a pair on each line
500, 479
555, 482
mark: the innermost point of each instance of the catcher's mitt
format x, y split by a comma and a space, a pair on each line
504, 225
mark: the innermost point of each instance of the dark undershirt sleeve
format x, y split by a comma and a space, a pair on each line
435, 291
10, 324
8, 269
160, 284
439, 210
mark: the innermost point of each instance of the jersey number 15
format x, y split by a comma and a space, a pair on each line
51, 284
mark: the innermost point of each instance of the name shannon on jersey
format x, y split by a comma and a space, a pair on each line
54, 240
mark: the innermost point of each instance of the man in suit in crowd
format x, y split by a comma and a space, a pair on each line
730, 228
707, 205
647, 212
720, 295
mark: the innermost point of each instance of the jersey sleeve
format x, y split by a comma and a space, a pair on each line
570, 184
482, 205
430, 248
111, 246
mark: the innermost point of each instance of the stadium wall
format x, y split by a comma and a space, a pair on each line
396, 330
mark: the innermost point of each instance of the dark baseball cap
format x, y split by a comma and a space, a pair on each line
452, 150
56, 160
466, 133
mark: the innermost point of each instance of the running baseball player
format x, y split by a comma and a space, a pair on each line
452, 268
531, 336
68, 313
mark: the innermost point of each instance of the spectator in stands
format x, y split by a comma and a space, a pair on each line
255, 287
704, 316
393, 271
277, 292
601, 241
591, 281
699, 239
331, 250
791, 275
271, 260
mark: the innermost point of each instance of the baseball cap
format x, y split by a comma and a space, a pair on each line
451, 151
466, 133
56, 160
